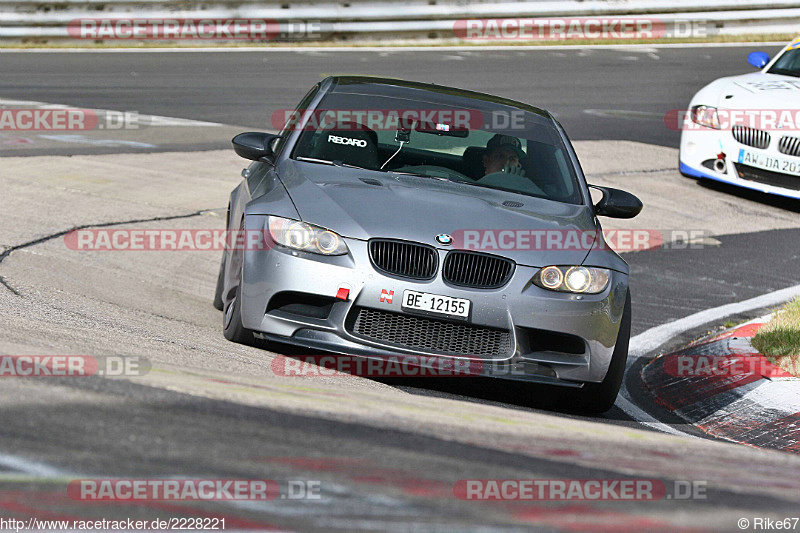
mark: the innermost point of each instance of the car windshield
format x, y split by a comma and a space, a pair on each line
482, 144
788, 64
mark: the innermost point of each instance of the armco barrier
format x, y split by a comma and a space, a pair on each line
40, 20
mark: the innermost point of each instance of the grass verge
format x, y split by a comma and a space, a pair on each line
779, 339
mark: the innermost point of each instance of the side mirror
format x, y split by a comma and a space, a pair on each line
616, 203
758, 59
255, 145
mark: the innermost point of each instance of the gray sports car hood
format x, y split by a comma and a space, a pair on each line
364, 204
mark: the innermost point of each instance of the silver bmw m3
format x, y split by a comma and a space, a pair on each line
400, 219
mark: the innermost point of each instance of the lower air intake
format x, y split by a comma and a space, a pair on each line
429, 334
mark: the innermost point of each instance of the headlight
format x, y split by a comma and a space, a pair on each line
705, 115
578, 279
298, 235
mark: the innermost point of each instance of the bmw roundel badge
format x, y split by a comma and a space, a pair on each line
444, 239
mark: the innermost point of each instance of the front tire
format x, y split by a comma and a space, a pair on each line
597, 398
218, 304
232, 317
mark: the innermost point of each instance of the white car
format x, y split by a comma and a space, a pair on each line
745, 130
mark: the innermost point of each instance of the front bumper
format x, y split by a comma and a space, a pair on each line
700, 147
557, 338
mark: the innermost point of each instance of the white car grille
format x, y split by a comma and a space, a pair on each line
789, 146
751, 136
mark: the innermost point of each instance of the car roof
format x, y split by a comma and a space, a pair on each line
427, 92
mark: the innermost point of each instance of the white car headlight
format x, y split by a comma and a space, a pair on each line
705, 115
577, 279
298, 235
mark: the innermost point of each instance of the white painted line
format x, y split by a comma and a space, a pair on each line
76, 138
32, 468
655, 337
651, 339
19, 103
144, 120
388, 48
158, 120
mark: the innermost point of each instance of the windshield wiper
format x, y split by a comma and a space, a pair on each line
401, 173
327, 162
438, 178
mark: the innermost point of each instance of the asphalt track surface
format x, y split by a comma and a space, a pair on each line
382, 466
619, 94
596, 94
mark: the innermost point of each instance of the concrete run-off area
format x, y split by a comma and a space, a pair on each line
157, 305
